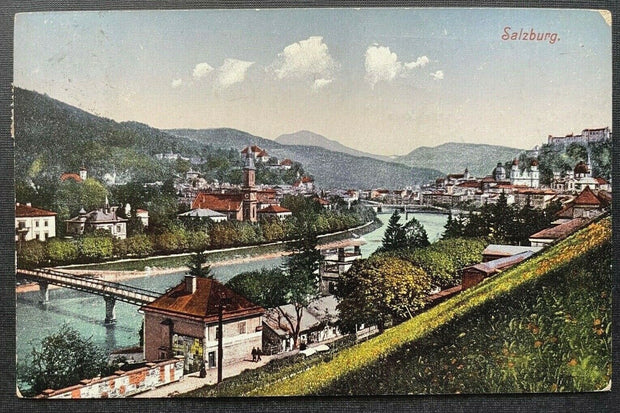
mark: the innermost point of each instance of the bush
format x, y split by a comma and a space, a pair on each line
139, 246
61, 251
31, 254
95, 248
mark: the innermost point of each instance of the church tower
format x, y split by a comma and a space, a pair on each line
249, 190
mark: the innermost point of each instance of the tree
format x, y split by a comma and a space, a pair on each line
380, 290
63, 359
299, 283
262, 287
394, 236
415, 234
454, 227
197, 267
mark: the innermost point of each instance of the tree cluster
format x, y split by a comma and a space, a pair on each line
409, 235
501, 222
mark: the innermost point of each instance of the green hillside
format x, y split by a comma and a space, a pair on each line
452, 157
330, 169
543, 325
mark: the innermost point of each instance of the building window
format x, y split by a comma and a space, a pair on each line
241, 325
36, 224
45, 223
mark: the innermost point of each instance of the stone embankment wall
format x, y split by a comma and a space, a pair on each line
122, 383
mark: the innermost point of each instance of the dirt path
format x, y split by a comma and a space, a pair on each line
117, 276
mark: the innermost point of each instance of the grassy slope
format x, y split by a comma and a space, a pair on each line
317, 379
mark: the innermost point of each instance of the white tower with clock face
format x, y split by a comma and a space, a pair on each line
249, 190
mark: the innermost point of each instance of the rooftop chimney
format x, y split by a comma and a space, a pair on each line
190, 284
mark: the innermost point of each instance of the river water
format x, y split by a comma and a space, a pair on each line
85, 312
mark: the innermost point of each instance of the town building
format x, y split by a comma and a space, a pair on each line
279, 324
550, 235
587, 204
256, 153
274, 211
201, 214
336, 258
184, 322
237, 206
474, 274
578, 179
79, 177
529, 178
33, 223
105, 218
497, 251
586, 136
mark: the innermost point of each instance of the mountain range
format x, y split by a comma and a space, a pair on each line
52, 137
451, 157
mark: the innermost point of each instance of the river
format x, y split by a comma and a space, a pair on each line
85, 312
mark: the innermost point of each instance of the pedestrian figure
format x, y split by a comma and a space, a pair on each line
254, 353
258, 353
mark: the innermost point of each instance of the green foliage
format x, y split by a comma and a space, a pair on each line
174, 239
561, 158
95, 248
30, 254
197, 265
380, 290
63, 359
139, 246
394, 237
262, 287
415, 234
61, 251
553, 335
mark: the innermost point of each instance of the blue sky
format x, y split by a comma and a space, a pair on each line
380, 80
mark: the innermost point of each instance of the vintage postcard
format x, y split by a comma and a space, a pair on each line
277, 202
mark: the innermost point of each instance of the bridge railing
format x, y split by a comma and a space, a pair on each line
90, 283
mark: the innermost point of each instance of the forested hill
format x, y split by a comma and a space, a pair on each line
480, 159
52, 137
330, 169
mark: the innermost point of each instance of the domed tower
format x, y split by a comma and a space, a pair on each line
534, 174
249, 190
499, 173
581, 170
514, 171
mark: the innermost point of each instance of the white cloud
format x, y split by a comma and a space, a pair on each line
232, 71
321, 83
201, 70
420, 62
176, 82
383, 65
438, 75
308, 58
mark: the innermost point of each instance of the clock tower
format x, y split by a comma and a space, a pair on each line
249, 190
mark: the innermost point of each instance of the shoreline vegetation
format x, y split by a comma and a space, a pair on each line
127, 269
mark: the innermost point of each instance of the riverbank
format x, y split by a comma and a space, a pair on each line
127, 269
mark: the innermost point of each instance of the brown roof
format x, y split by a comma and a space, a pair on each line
323, 201
456, 176
253, 148
495, 266
204, 302
24, 211
560, 230
601, 181
469, 184
587, 197
73, 176
262, 153
274, 209
286, 162
305, 179
218, 202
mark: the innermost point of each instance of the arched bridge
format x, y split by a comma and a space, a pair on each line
110, 291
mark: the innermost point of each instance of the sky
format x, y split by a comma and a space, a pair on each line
384, 81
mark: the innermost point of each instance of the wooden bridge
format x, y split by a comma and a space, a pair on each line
110, 291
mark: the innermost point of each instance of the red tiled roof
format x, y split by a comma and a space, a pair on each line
305, 179
252, 148
587, 197
274, 209
560, 230
286, 162
322, 201
24, 211
601, 181
204, 302
141, 211
456, 176
218, 202
73, 176
469, 184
